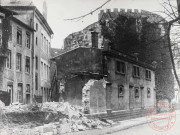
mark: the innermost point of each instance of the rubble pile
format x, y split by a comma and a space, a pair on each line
19, 107
73, 120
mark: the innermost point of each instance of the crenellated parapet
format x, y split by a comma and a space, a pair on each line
113, 13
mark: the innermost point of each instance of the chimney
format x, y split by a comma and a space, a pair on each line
45, 9
94, 38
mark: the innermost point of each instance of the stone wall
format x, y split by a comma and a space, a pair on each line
129, 83
83, 38
94, 96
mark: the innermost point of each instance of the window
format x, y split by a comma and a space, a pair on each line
36, 27
36, 62
42, 70
120, 91
148, 93
28, 40
28, 88
20, 92
120, 67
47, 72
136, 92
10, 33
148, 74
27, 66
136, 72
8, 59
36, 41
42, 41
19, 36
36, 81
18, 62
47, 46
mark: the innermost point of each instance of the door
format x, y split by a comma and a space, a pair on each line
20, 93
131, 98
10, 90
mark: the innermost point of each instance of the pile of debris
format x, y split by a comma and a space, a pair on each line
73, 120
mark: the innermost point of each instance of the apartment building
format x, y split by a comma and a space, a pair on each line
41, 43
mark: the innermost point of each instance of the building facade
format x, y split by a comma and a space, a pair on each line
40, 49
17, 74
152, 50
5, 30
121, 81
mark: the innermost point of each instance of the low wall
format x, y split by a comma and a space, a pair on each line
120, 115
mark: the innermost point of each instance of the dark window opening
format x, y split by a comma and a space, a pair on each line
120, 67
136, 92
36, 62
28, 88
120, 91
28, 38
27, 66
18, 62
148, 75
36, 41
148, 93
8, 59
36, 81
19, 36
36, 27
136, 72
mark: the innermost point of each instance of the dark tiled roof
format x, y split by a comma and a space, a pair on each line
17, 3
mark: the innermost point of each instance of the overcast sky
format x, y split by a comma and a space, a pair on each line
58, 10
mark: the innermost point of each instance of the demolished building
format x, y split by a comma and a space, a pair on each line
105, 80
152, 47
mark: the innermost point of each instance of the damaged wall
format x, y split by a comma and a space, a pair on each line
83, 38
94, 96
73, 90
79, 60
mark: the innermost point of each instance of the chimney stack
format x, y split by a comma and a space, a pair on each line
45, 9
94, 38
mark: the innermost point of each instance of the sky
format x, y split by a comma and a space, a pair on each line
58, 10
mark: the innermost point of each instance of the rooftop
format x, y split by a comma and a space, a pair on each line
17, 3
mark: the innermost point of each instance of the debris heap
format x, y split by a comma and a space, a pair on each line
73, 120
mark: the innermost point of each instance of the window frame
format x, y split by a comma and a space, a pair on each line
8, 59
122, 67
18, 62
148, 93
28, 40
121, 94
28, 67
36, 59
136, 71
28, 91
148, 74
36, 81
136, 95
36, 26
19, 38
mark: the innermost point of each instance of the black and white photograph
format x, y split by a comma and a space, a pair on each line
89, 67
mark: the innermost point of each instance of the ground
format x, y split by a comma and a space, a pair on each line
146, 130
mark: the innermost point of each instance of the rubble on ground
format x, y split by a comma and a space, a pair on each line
2, 104
73, 121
